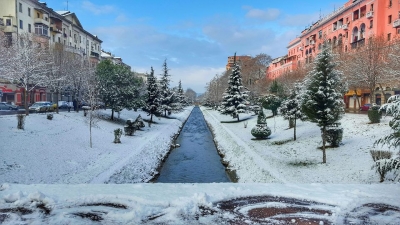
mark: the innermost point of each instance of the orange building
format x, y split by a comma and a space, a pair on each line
345, 28
240, 59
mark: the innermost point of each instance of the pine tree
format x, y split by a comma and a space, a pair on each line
152, 101
291, 109
118, 86
234, 98
322, 100
166, 95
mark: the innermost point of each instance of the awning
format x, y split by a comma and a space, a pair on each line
359, 92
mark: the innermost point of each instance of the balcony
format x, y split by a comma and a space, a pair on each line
396, 23
42, 21
94, 54
54, 28
344, 26
9, 29
370, 14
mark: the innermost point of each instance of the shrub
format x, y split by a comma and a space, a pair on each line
21, 121
117, 135
384, 163
261, 131
374, 114
334, 136
49, 116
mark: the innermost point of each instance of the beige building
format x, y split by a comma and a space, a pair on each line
50, 28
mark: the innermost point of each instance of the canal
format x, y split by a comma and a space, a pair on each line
197, 159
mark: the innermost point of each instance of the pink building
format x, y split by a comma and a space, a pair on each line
345, 28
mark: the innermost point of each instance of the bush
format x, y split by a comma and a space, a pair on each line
117, 135
49, 116
334, 136
374, 114
261, 131
21, 121
384, 163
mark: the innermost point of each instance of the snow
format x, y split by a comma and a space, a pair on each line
49, 172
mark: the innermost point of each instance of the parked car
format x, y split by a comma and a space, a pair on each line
6, 106
63, 105
365, 107
41, 107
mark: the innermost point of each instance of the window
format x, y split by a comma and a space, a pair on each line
371, 8
70, 33
371, 23
8, 22
390, 3
390, 19
389, 36
59, 40
29, 28
29, 12
54, 38
41, 30
21, 24
37, 15
20, 7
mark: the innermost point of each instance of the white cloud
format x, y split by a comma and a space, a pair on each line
263, 14
97, 9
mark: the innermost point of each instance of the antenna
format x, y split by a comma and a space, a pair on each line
67, 5
320, 15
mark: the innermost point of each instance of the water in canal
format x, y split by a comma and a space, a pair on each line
196, 160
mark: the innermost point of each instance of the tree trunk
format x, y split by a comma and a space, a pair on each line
90, 127
112, 114
151, 117
26, 102
323, 144
294, 129
238, 116
57, 102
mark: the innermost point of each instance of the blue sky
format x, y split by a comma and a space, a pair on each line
195, 36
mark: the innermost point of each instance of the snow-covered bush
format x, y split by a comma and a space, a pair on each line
261, 130
334, 135
49, 116
117, 135
374, 114
384, 164
21, 121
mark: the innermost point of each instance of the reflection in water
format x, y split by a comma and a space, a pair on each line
196, 160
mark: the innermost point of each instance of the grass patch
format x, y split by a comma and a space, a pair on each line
281, 142
302, 163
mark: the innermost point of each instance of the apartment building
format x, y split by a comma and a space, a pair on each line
50, 28
116, 60
239, 59
346, 28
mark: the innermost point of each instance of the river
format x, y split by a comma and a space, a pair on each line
197, 159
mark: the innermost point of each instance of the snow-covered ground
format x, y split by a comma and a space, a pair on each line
50, 175
279, 159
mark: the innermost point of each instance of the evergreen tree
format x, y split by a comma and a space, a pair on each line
234, 98
118, 86
166, 95
152, 100
322, 100
291, 109
271, 102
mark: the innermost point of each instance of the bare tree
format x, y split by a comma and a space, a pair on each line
61, 67
91, 86
253, 72
27, 62
364, 66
